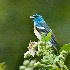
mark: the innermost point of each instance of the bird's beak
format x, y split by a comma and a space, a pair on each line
32, 17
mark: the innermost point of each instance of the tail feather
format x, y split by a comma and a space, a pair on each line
54, 43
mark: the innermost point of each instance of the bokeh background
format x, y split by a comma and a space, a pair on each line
16, 28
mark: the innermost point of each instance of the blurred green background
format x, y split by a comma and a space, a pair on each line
16, 28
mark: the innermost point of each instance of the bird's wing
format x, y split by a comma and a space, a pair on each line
43, 24
42, 30
47, 29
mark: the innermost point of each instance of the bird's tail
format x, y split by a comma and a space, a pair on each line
54, 43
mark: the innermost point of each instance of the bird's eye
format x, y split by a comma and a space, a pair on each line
35, 15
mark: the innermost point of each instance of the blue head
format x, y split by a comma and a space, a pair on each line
37, 19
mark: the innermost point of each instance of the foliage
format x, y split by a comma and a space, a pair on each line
66, 47
2, 66
48, 59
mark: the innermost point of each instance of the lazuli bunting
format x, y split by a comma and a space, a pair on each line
40, 27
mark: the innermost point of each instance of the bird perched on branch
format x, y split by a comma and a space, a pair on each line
40, 27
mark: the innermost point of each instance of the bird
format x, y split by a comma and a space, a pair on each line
40, 27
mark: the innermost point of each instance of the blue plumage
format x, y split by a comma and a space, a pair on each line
40, 27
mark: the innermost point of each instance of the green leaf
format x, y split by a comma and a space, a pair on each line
43, 37
56, 69
65, 47
2, 66
46, 38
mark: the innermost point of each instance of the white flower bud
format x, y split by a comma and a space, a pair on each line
26, 62
22, 67
61, 56
40, 42
28, 69
63, 52
32, 63
26, 54
32, 51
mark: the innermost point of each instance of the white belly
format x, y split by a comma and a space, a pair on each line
37, 34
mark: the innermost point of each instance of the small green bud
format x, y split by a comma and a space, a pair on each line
32, 62
39, 53
37, 64
48, 44
40, 48
40, 42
